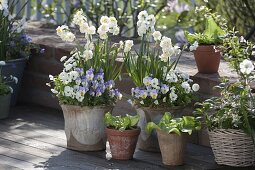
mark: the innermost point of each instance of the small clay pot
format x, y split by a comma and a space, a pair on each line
122, 143
207, 58
172, 147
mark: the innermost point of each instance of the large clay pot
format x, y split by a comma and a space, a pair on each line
207, 58
122, 143
84, 127
5, 101
149, 142
172, 147
15, 68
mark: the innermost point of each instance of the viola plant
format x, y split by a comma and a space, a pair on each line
234, 109
4, 87
176, 90
14, 43
89, 73
168, 124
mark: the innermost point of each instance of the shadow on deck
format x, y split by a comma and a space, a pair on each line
33, 138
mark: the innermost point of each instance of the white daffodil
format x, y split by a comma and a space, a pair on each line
173, 96
246, 67
128, 45
157, 36
105, 20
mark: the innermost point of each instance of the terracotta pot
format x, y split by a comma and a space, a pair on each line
122, 143
84, 127
207, 59
149, 142
172, 147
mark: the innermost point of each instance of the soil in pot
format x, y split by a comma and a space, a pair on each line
122, 143
172, 147
5, 101
149, 142
207, 59
84, 127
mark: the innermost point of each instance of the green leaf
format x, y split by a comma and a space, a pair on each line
212, 30
134, 120
150, 126
175, 130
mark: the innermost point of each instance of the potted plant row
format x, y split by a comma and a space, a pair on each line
122, 133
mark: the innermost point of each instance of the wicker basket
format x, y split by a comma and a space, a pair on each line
232, 147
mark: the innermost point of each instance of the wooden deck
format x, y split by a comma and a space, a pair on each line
33, 138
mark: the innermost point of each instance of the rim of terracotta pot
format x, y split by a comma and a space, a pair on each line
162, 132
129, 132
207, 48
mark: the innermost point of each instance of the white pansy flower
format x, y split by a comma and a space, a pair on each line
79, 96
173, 96
15, 79
2, 63
193, 46
246, 67
54, 91
185, 85
63, 58
128, 45
157, 36
146, 81
154, 82
195, 87
68, 91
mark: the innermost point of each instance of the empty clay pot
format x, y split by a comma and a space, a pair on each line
122, 143
207, 58
172, 147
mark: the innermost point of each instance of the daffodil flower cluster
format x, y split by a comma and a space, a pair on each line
175, 91
89, 72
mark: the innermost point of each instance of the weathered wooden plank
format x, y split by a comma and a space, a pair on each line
16, 163
24, 148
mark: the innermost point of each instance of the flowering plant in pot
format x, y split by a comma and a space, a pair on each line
5, 92
205, 45
15, 44
160, 87
230, 119
85, 87
171, 135
122, 133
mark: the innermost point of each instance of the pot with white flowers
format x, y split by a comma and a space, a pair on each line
230, 119
122, 133
85, 87
205, 46
5, 92
160, 87
172, 136
15, 45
